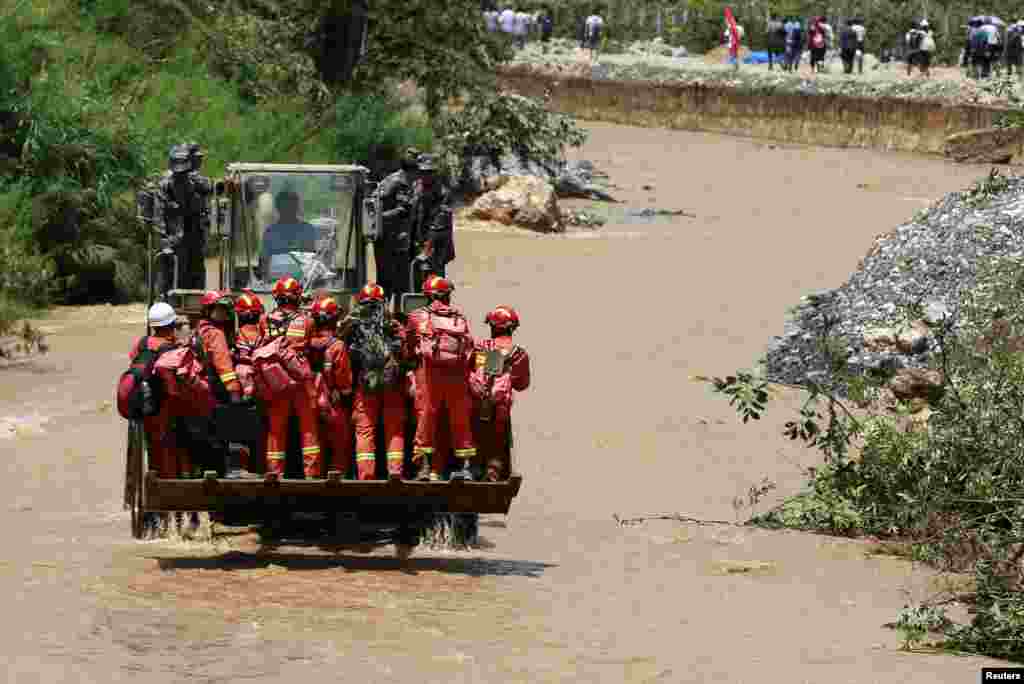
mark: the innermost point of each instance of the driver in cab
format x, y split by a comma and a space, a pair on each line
289, 234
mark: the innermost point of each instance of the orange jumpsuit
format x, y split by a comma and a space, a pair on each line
219, 362
330, 362
389, 407
250, 337
492, 436
437, 387
165, 456
297, 327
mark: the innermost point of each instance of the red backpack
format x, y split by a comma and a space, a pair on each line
444, 341
244, 366
182, 377
279, 367
139, 393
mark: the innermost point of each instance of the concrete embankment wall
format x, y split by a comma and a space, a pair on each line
827, 120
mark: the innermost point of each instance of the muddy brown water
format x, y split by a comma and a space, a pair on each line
616, 321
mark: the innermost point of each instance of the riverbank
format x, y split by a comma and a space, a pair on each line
892, 124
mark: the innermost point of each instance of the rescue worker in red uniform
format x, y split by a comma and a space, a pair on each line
166, 456
329, 362
250, 337
297, 327
216, 309
375, 344
493, 395
439, 339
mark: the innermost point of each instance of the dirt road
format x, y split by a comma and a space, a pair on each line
616, 320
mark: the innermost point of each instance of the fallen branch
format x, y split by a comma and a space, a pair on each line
625, 522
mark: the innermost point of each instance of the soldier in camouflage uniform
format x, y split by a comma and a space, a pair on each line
392, 250
184, 195
433, 230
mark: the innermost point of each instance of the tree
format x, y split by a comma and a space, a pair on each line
443, 47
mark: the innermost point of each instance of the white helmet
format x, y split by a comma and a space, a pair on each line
924, 23
161, 315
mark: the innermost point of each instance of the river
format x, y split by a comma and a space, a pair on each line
616, 321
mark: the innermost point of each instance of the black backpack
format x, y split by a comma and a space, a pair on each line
1015, 42
848, 40
139, 393
916, 40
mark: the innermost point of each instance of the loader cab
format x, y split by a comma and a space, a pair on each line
303, 221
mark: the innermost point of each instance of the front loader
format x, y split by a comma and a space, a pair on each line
255, 245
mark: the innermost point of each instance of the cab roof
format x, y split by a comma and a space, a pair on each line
295, 168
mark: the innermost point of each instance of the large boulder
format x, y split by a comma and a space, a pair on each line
571, 179
526, 201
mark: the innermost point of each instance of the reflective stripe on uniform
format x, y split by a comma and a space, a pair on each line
295, 333
424, 450
275, 455
395, 455
366, 457
228, 377
465, 453
311, 450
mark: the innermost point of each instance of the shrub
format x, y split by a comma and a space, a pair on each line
373, 130
955, 489
501, 124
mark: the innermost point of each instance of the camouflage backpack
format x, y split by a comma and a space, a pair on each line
375, 354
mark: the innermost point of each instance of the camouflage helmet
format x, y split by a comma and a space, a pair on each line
196, 154
179, 160
426, 163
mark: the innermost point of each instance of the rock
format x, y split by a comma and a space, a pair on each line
649, 212
525, 201
879, 339
574, 179
916, 383
935, 258
935, 312
986, 146
913, 340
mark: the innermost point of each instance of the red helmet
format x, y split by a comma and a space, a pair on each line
287, 287
503, 318
436, 286
248, 303
212, 298
325, 308
370, 292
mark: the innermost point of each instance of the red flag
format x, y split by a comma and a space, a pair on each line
734, 49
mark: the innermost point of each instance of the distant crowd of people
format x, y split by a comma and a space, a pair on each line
989, 44
521, 26
518, 25
988, 47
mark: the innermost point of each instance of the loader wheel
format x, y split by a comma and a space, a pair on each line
135, 471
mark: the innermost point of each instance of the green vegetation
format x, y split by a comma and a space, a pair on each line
94, 92
951, 486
